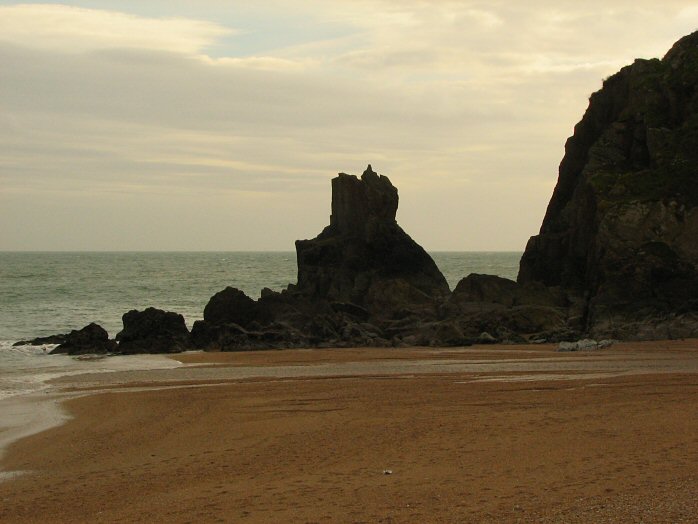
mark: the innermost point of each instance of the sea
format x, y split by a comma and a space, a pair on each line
48, 293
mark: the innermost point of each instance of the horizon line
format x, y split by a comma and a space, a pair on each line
225, 251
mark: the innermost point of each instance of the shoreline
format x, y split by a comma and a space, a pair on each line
27, 413
299, 444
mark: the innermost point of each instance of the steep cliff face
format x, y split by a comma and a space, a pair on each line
621, 229
363, 256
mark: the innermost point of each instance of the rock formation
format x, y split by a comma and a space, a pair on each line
41, 341
153, 331
621, 229
362, 281
93, 338
233, 321
363, 257
506, 311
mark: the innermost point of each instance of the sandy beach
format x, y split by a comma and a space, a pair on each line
481, 434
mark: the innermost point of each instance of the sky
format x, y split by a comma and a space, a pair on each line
218, 125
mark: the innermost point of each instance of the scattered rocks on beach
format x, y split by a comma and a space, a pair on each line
586, 344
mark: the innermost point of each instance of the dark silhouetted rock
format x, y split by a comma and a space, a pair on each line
519, 323
486, 288
233, 321
351, 309
153, 331
358, 278
506, 310
93, 338
363, 257
231, 306
621, 229
233, 337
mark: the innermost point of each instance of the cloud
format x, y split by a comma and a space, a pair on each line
268, 63
65, 28
465, 106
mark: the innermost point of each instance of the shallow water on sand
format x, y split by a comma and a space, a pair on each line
27, 403
26, 369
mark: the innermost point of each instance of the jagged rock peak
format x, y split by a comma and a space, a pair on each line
363, 256
356, 202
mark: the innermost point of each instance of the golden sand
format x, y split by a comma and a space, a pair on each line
524, 434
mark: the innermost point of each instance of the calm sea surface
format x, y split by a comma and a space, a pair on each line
48, 293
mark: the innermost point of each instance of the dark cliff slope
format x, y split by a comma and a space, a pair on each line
621, 229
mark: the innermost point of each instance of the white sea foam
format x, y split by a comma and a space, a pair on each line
27, 369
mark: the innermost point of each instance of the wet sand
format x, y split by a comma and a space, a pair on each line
483, 434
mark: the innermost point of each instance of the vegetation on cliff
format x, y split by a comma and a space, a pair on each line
621, 229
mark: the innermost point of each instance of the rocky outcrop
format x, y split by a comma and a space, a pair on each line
616, 256
231, 306
93, 338
362, 282
153, 331
363, 257
232, 321
621, 230
504, 310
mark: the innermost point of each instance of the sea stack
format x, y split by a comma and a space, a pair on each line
364, 257
621, 229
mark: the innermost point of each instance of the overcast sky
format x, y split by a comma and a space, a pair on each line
218, 125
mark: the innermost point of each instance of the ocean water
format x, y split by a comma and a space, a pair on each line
47, 293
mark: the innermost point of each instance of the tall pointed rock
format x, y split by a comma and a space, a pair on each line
363, 256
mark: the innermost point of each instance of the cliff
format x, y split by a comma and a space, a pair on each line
621, 229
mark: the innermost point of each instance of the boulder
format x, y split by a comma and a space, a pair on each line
93, 338
209, 336
621, 229
231, 306
506, 310
153, 331
232, 321
486, 288
490, 289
